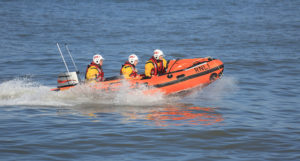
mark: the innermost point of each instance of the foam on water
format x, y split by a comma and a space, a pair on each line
23, 91
124, 96
26, 92
217, 90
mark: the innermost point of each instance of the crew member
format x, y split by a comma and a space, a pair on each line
128, 70
94, 72
156, 65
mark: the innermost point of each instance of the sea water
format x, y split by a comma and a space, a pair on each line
251, 113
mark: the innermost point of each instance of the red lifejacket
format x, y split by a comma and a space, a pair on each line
100, 76
134, 73
159, 68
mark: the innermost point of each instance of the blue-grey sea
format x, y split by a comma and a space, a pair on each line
251, 113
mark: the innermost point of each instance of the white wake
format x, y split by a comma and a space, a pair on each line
27, 92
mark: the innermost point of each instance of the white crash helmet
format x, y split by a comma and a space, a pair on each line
157, 53
97, 58
132, 58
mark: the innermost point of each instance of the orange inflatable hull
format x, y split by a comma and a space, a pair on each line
181, 75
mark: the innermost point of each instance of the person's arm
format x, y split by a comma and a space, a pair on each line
148, 68
126, 70
165, 63
91, 74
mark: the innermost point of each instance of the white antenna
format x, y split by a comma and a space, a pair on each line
63, 58
66, 45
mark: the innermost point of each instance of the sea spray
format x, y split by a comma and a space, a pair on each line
23, 91
136, 96
217, 90
29, 93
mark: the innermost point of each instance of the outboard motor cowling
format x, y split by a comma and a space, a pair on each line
67, 79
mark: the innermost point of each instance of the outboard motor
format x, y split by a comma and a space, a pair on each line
67, 79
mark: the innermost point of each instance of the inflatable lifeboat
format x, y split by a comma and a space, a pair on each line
181, 75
